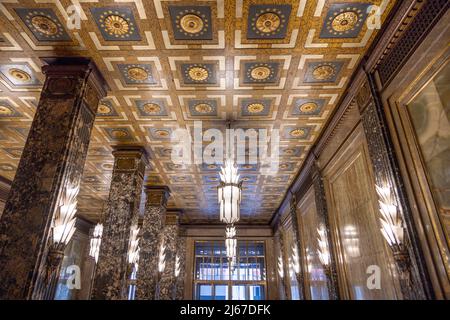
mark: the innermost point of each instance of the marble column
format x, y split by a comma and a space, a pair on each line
170, 238
322, 211
121, 216
181, 253
152, 226
53, 159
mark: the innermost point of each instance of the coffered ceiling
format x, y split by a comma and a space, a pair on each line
263, 64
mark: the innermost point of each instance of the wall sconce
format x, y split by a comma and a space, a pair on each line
94, 247
393, 232
133, 246
280, 267
62, 230
177, 266
162, 258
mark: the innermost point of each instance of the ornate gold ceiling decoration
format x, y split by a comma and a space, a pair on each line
203, 108
268, 22
324, 72
198, 73
44, 25
266, 65
152, 108
116, 25
191, 23
19, 75
255, 107
344, 21
308, 107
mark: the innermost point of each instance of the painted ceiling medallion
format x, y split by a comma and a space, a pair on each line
344, 21
268, 22
5, 111
151, 108
191, 23
104, 109
297, 133
117, 133
323, 72
203, 108
255, 107
44, 25
260, 73
137, 73
308, 107
162, 133
198, 73
19, 75
116, 25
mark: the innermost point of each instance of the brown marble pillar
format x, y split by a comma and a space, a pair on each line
152, 226
122, 212
170, 238
53, 158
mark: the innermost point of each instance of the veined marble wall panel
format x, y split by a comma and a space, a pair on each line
308, 220
354, 223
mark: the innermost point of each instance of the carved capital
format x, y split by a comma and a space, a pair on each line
172, 218
157, 195
130, 158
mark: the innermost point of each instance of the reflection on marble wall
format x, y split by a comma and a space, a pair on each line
308, 224
354, 222
74, 255
430, 115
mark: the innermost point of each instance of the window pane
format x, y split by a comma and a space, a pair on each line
212, 265
238, 292
204, 292
221, 292
256, 292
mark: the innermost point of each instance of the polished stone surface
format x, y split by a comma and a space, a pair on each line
122, 211
53, 158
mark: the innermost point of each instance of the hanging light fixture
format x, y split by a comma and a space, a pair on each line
95, 242
231, 242
229, 193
